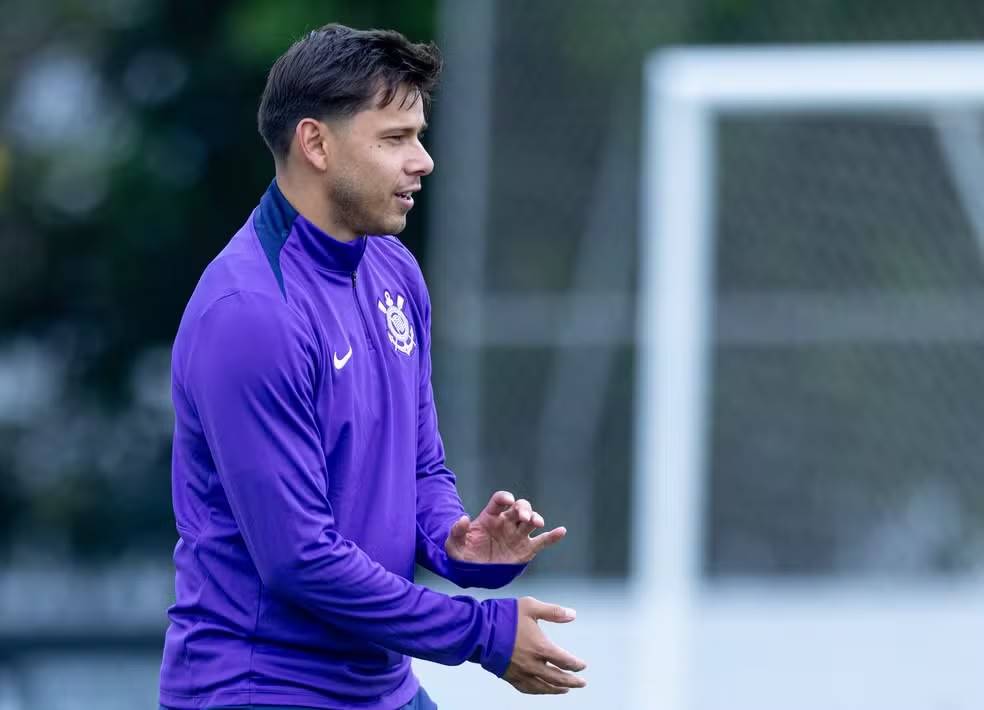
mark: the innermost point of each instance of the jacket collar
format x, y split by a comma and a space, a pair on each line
280, 217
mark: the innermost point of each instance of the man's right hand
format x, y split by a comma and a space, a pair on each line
538, 666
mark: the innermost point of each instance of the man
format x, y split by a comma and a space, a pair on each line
308, 472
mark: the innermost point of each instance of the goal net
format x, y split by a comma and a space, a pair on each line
809, 518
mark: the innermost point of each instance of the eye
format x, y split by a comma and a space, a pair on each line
393, 138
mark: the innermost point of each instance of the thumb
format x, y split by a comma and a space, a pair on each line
460, 527
554, 613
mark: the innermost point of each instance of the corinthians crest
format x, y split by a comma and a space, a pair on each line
398, 326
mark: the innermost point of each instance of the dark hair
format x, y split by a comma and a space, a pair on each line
336, 71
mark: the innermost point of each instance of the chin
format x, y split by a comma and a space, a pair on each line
395, 226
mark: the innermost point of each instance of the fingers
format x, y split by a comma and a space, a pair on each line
524, 517
563, 659
535, 522
499, 503
540, 542
551, 612
520, 512
460, 528
533, 685
538, 666
545, 673
555, 676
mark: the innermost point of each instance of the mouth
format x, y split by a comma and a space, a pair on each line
406, 198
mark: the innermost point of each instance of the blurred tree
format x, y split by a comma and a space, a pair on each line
128, 156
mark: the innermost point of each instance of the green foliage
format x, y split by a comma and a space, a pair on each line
139, 159
110, 213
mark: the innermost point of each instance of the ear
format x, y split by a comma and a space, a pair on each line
313, 140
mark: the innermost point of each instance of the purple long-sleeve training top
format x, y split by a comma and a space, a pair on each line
308, 476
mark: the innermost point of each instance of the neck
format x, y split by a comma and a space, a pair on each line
308, 199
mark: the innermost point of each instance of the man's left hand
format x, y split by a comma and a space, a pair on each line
501, 533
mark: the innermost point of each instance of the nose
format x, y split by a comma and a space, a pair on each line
421, 164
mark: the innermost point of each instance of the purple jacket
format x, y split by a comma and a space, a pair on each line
308, 477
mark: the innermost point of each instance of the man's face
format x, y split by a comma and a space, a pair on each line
376, 165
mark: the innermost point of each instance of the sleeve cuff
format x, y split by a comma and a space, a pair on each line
433, 556
498, 652
484, 575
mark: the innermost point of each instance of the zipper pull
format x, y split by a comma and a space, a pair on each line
354, 275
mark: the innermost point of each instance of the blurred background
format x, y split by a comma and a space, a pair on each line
845, 374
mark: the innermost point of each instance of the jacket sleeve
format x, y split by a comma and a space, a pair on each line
251, 376
438, 503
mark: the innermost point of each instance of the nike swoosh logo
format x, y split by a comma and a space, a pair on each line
340, 362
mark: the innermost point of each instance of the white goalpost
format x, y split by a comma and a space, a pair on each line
686, 91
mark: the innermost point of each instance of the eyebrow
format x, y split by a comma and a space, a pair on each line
407, 129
